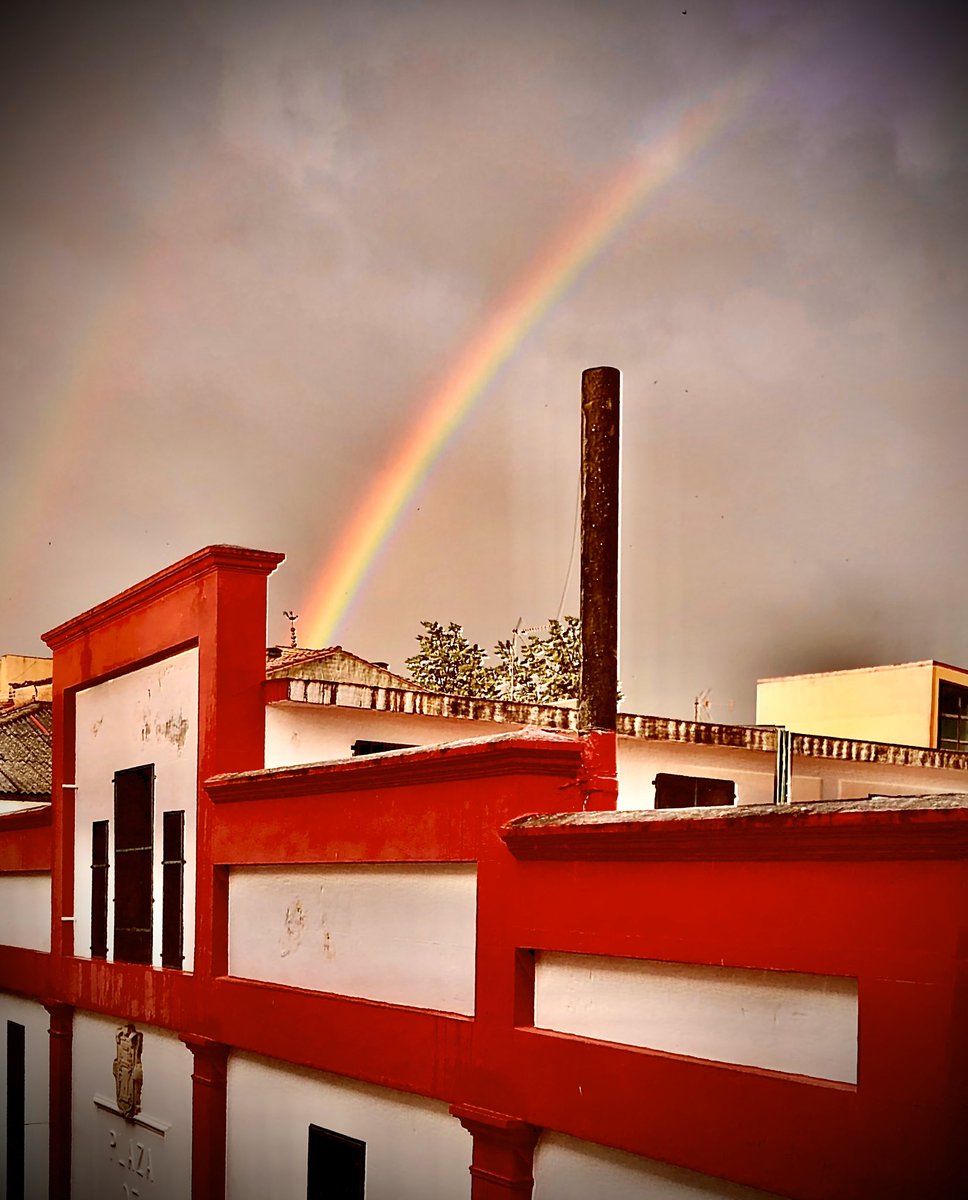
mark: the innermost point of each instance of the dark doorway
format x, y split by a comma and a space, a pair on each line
16, 1082
173, 889
99, 889
337, 1166
133, 856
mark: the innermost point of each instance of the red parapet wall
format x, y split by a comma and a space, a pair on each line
872, 896
872, 892
25, 841
866, 892
817, 890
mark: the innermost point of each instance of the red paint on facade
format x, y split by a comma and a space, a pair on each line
867, 894
30, 848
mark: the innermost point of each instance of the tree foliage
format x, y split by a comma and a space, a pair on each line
447, 662
542, 667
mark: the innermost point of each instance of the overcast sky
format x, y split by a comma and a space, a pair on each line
241, 244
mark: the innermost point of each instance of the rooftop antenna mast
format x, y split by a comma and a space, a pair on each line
292, 618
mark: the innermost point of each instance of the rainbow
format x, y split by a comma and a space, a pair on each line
550, 275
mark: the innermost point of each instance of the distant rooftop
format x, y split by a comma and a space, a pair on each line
25, 751
331, 663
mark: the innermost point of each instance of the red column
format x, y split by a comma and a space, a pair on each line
208, 1117
503, 1155
61, 1087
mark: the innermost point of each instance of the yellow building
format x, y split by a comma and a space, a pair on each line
24, 678
909, 704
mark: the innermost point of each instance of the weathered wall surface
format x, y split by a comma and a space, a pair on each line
150, 1157
400, 934
146, 716
414, 1149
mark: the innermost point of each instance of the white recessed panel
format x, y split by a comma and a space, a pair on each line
25, 911
778, 1020
401, 934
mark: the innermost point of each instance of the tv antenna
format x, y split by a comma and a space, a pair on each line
517, 641
292, 618
701, 705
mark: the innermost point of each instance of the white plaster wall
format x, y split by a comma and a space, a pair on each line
567, 1169
304, 734
36, 1023
115, 1158
639, 761
25, 911
147, 716
403, 934
415, 1150
779, 1020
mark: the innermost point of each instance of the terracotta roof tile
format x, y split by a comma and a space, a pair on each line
25, 750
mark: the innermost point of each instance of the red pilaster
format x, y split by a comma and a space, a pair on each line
61, 1086
503, 1155
599, 782
208, 1116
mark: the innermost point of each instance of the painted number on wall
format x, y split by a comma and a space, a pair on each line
134, 1160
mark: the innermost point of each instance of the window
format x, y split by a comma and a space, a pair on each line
173, 890
99, 889
337, 1166
364, 747
952, 717
133, 853
690, 791
16, 1084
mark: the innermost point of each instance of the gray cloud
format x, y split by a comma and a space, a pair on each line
242, 242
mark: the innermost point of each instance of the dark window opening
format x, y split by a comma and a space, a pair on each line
364, 747
133, 854
952, 717
173, 890
690, 791
99, 889
337, 1166
16, 1088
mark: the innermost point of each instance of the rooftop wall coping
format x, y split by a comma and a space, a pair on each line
524, 752
881, 827
186, 570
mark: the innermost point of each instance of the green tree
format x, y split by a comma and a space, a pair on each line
447, 662
541, 668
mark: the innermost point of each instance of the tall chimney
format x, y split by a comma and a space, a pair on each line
600, 421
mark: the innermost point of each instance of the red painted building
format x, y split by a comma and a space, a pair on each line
450, 971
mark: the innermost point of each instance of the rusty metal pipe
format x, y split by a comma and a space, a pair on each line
600, 457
